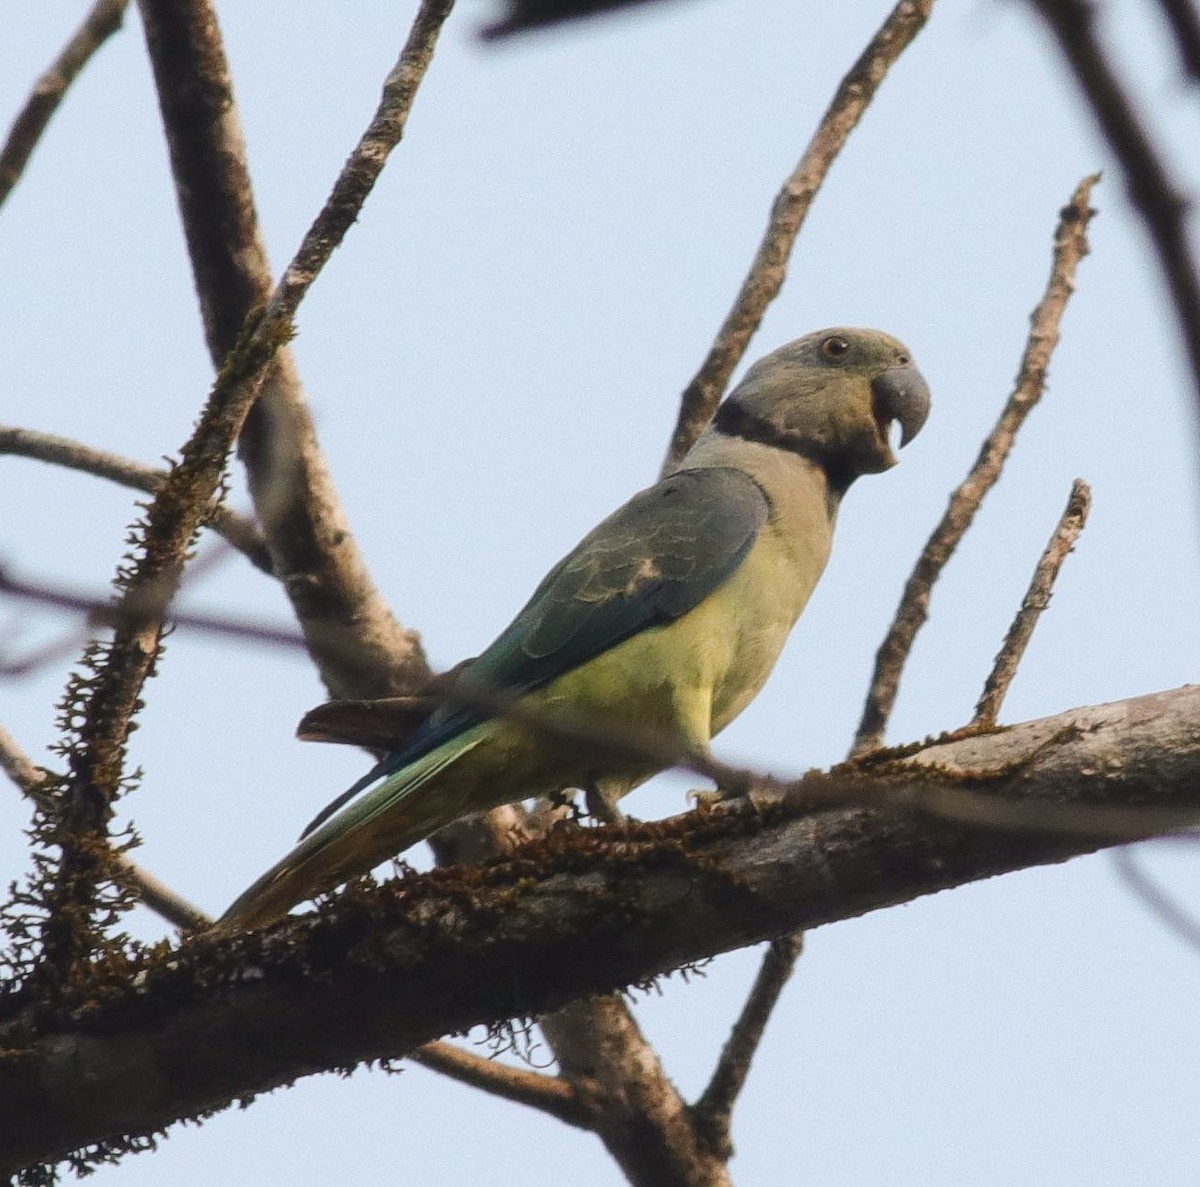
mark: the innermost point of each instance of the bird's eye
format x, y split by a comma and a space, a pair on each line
835, 347
903, 360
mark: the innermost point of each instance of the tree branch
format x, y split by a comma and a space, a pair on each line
1036, 599
769, 268
18, 766
1070, 246
548, 1094
160, 898
1184, 22
520, 16
1169, 912
74, 455
101, 22
1151, 189
675, 1150
106, 705
643, 1121
379, 972
713, 1112
102, 612
357, 644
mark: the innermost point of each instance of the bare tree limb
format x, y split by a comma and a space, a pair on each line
1153, 192
172, 907
644, 1123
102, 612
713, 1112
379, 972
520, 16
548, 1094
1169, 912
18, 766
1036, 599
1070, 246
1184, 21
74, 455
769, 268
166, 903
357, 644
101, 22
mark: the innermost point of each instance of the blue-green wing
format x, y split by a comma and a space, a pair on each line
647, 564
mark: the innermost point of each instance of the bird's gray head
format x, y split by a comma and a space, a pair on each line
831, 396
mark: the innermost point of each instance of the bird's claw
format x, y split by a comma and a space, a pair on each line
703, 799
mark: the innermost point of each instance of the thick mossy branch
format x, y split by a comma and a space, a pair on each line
173, 1033
101, 701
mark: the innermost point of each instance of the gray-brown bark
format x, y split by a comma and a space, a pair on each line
379, 972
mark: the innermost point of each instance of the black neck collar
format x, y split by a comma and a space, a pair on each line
734, 421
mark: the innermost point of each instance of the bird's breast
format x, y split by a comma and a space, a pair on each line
693, 675
753, 613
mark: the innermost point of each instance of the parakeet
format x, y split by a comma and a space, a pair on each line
668, 616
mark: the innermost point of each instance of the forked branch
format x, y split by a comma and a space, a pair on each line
1070, 246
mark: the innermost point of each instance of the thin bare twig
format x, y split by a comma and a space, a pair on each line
711, 1116
857, 787
1184, 21
74, 455
363, 166
163, 901
1036, 599
1153, 192
767, 272
105, 612
23, 664
1169, 912
713, 1112
18, 766
1070, 246
521, 16
101, 23
549, 1094
160, 898
864, 782
101, 611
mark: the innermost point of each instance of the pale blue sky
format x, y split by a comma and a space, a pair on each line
495, 357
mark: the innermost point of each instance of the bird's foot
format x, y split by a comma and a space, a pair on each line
602, 806
758, 795
703, 798
565, 803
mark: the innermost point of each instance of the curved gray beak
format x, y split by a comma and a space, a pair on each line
900, 394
